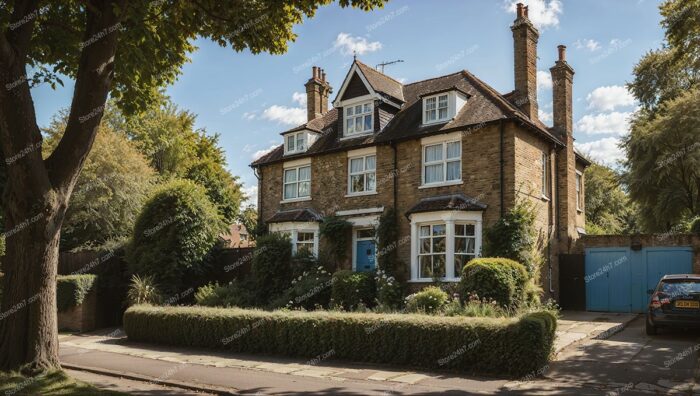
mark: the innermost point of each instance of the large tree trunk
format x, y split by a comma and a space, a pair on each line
38, 189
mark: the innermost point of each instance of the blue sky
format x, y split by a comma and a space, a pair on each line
248, 99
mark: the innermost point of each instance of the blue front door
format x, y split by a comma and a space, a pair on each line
365, 256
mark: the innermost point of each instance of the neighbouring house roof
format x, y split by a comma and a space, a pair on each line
295, 215
459, 202
485, 105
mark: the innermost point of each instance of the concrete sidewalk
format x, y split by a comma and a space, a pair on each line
111, 351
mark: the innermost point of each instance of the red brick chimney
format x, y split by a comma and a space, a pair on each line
525, 37
562, 87
317, 91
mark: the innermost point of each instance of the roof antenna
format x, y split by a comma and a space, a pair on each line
354, 55
381, 65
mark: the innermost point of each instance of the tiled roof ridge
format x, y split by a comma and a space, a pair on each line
377, 71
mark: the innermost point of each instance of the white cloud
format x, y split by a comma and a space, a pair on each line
349, 44
248, 148
299, 98
251, 192
545, 116
544, 80
609, 98
285, 115
605, 150
249, 115
260, 153
543, 13
605, 123
588, 44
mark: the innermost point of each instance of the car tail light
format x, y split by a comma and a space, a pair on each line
655, 303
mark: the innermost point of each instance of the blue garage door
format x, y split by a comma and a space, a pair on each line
621, 279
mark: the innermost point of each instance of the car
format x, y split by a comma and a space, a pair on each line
674, 303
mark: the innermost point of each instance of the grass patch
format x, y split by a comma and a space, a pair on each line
52, 383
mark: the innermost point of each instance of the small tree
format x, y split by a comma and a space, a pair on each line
271, 268
173, 235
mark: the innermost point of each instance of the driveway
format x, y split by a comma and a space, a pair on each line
629, 362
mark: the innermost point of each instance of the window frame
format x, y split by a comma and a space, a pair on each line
546, 175
444, 161
295, 137
355, 116
455, 236
437, 108
431, 237
297, 182
365, 172
579, 191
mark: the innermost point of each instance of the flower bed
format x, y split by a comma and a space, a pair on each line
515, 346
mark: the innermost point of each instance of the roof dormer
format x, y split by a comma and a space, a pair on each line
299, 141
442, 106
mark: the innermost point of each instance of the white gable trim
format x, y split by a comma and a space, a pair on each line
354, 69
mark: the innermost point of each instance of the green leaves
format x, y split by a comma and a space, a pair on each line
608, 208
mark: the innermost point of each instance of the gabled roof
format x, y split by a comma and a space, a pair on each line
459, 202
484, 106
380, 82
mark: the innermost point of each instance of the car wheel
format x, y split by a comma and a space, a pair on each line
651, 329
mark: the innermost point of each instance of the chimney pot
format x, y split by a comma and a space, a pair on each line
526, 11
520, 13
562, 53
323, 76
317, 90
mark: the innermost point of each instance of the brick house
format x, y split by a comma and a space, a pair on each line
450, 153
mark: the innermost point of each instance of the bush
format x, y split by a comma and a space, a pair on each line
310, 290
429, 300
175, 231
271, 267
72, 289
235, 294
143, 291
514, 236
515, 346
351, 289
499, 279
337, 232
389, 292
695, 226
475, 307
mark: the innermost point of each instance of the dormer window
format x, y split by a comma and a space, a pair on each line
359, 119
435, 108
442, 106
296, 143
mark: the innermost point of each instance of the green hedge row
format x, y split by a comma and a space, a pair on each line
504, 346
72, 289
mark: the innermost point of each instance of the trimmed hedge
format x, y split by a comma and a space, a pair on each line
72, 289
501, 279
503, 346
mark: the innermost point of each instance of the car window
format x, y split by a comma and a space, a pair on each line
680, 288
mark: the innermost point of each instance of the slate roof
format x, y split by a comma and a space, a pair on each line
458, 202
300, 215
484, 105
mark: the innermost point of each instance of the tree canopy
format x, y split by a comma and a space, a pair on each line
608, 208
662, 169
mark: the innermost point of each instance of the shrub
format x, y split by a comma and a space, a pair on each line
350, 289
695, 226
310, 290
500, 279
429, 300
515, 346
514, 236
389, 291
337, 232
235, 294
387, 243
271, 267
475, 307
175, 231
143, 291
72, 289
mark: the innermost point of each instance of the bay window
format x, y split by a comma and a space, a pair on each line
297, 182
359, 119
432, 253
442, 163
465, 245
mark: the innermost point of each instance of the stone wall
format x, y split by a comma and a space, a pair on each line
81, 318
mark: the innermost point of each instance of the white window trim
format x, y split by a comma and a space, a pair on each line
296, 168
294, 228
546, 175
437, 119
444, 161
296, 135
364, 172
347, 104
449, 218
579, 189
